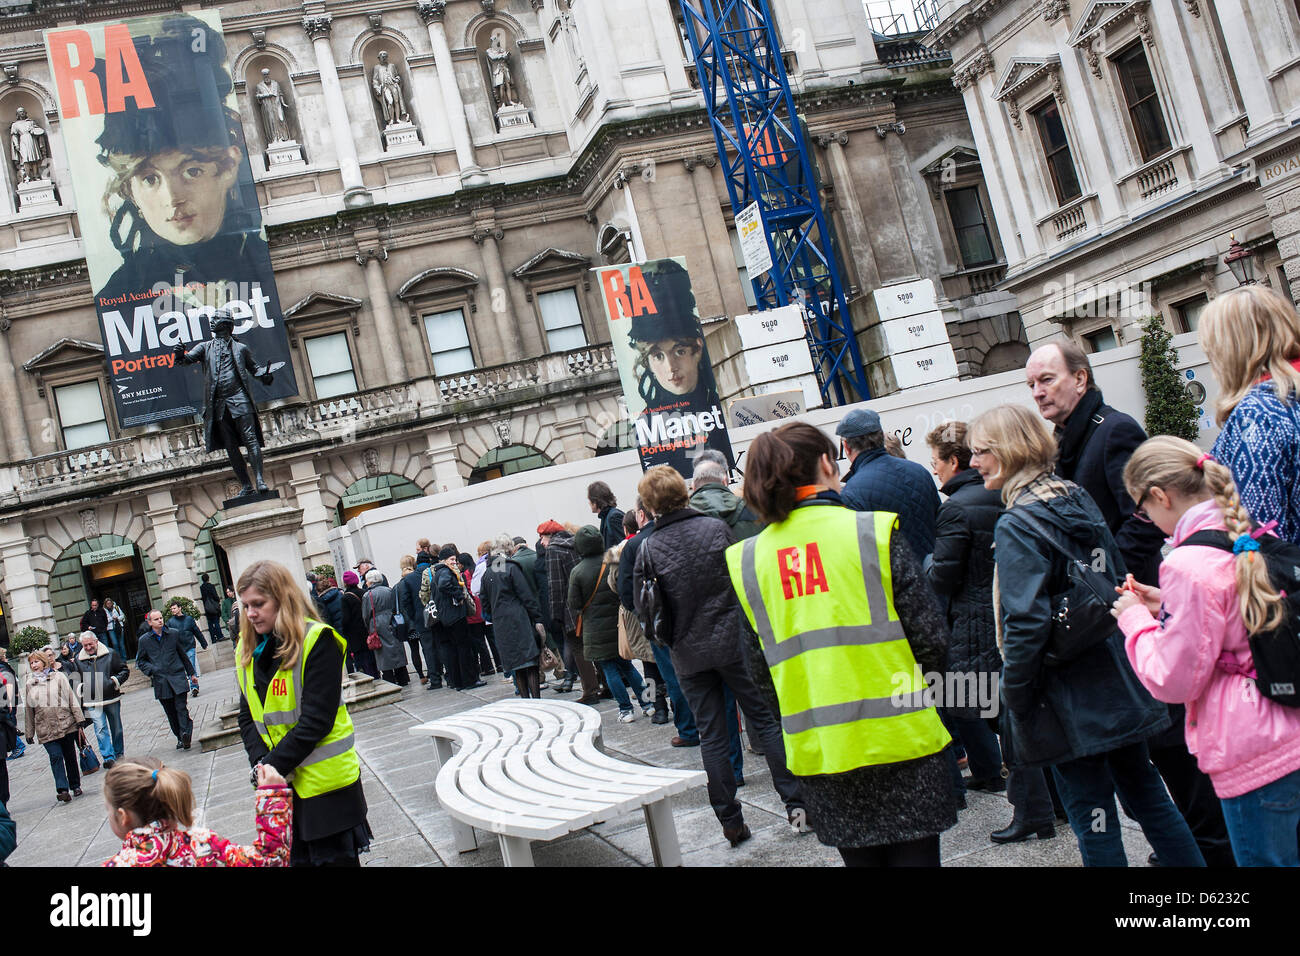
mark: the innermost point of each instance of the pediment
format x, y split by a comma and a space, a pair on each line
1021, 71
1100, 14
436, 282
959, 157
66, 351
320, 304
550, 261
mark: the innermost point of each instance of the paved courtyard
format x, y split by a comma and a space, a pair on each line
411, 829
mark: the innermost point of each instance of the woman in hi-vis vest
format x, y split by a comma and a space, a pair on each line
847, 625
292, 716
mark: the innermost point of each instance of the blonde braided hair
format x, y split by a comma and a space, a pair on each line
1173, 464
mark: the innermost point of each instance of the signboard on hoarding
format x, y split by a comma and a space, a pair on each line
753, 241
663, 363
766, 408
167, 204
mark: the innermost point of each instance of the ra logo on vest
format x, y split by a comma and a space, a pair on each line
801, 570
279, 687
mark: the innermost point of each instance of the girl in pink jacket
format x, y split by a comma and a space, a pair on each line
1188, 643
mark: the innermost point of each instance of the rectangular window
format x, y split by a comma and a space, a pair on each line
449, 342
1143, 103
1189, 313
331, 365
1101, 340
81, 415
746, 286
973, 241
562, 320
1056, 150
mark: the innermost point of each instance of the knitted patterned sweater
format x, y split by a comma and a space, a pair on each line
1260, 444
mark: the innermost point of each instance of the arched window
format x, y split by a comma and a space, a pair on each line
511, 460
374, 492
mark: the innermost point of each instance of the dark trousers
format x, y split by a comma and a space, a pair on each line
414, 644
528, 681
1193, 794
1031, 802
706, 693
398, 676
682, 716
1088, 786
458, 653
585, 669
364, 658
63, 761
485, 648
214, 627
431, 658
922, 852
178, 716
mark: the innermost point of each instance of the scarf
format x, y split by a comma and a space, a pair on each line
1043, 488
1074, 434
40, 677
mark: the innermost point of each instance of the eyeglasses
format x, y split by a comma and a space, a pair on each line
1140, 512
977, 452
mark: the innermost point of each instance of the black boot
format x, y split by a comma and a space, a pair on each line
1018, 832
255, 459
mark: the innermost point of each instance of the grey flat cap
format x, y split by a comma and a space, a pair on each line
860, 421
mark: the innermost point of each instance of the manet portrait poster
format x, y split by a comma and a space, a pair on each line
672, 398
167, 204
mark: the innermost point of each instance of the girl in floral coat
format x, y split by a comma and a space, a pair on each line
151, 809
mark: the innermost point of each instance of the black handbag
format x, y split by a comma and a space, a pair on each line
89, 761
1081, 617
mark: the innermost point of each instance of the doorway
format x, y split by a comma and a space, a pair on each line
123, 580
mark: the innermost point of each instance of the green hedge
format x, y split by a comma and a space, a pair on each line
1169, 409
30, 638
188, 606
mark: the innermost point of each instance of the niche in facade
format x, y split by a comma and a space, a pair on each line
29, 155
389, 79
274, 105
501, 61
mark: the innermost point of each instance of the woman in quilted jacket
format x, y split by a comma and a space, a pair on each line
1189, 643
151, 810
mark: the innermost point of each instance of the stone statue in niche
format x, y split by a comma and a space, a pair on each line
27, 147
387, 87
503, 83
271, 104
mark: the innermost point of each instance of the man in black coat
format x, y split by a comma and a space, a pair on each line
95, 620
1096, 442
189, 637
211, 607
161, 658
419, 634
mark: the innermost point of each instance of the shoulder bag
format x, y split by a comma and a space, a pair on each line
577, 627
1081, 617
372, 639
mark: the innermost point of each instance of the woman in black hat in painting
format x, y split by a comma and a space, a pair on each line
178, 201
672, 367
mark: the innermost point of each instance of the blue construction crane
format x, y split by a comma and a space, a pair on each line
764, 154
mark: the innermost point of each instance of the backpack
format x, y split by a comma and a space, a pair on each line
652, 607
431, 609
1276, 653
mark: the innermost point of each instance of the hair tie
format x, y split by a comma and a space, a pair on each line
1244, 543
154, 776
1200, 462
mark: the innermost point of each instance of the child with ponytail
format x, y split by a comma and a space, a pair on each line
1188, 641
151, 810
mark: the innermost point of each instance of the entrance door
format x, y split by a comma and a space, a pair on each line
124, 582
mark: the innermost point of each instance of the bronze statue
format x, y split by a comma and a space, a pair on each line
229, 413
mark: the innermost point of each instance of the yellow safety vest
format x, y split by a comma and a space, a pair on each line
334, 763
818, 589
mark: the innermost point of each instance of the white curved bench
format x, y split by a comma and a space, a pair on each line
531, 770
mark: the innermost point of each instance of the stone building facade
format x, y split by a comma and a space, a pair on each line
435, 272
1123, 143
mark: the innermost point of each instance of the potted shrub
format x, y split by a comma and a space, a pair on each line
28, 639
187, 607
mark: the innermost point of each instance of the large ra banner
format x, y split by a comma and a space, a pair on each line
167, 204
663, 363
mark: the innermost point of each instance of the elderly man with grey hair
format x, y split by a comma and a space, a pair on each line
711, 496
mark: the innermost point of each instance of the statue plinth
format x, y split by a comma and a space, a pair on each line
36, 192
401, 136
514, 117
262, 530
285, 153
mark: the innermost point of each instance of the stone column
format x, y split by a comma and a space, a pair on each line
354, 189
315, 516
381, 307
718, 242
171, 557
599, 43
17, 443
443, 457
634, 224
517, 338
432, 12
28, 601
560, 66
570, 428
860, 259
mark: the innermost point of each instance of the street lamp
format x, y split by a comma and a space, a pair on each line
1241, 261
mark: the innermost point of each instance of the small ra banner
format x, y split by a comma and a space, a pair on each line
663, 363
167, 204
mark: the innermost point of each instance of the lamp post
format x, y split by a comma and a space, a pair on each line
1241, 261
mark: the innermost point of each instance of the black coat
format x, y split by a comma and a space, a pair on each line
589, 589
508, 597
961, 573
163, 660
99, 679
96, 621
611, 526
689, 553
1093, 704
409, 604
1099, 470
330, 604
354, 627
211, 599
187, 631
246, 368
453, 607
626, 566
